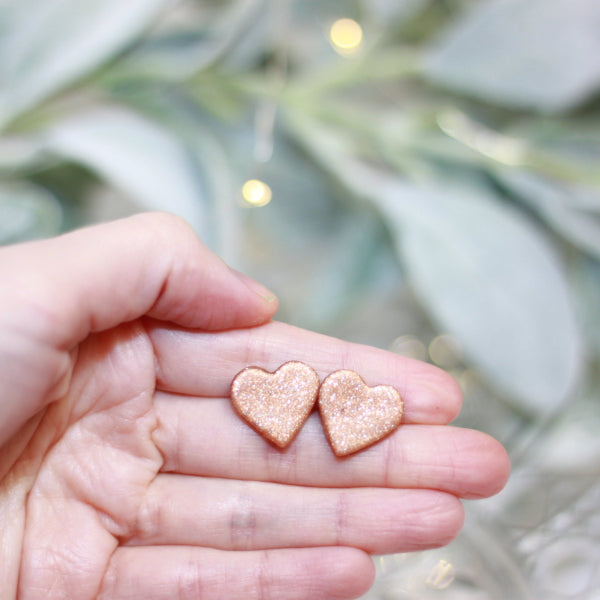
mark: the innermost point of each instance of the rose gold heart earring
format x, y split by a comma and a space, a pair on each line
276, 404
355, 415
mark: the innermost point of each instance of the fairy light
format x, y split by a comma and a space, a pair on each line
346, 36
256, 192
410, 346
441, 576
445, 351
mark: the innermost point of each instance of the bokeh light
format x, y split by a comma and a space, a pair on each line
346, 36
256, 193
445, 351
441, 576
409, 346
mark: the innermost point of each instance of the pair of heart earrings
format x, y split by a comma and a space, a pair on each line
277, 404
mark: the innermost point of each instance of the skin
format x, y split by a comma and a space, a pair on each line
126, 474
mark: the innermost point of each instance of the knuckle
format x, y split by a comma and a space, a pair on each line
150, 519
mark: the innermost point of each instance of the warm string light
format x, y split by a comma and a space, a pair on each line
346, 36
441, 575
445, 351
256, 193
409, 346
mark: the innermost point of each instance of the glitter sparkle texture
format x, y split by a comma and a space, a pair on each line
354, 415
276, 404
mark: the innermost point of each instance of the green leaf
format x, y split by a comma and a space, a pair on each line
533, 54
386, 13
572, 211
566, 149
45, 46
484, 273
141, 158
586, 282
27, 212
176, 55
20, 154
489, 278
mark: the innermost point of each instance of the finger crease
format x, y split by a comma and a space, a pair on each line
243, 523
264, 567
390, 456
341, 518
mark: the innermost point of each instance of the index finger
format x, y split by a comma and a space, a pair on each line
199, 363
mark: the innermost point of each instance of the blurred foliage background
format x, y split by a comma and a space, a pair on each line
424, 178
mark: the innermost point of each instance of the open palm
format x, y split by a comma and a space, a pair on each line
125, 473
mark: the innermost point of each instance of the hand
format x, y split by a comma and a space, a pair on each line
124, 472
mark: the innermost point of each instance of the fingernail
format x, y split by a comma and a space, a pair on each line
266, 294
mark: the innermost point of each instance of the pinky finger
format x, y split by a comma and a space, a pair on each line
189, 573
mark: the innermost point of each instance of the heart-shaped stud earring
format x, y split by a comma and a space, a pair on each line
276, 404
355, 415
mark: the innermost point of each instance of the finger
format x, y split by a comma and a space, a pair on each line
53, 293
188, 573
205, 437
246, 515
186, 364
98, 277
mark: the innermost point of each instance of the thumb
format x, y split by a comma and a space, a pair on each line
150, 264
54, 293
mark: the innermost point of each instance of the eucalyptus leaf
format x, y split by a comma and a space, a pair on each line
21, 154
27, 212
141, 158
177, 55
533, 54
489, 278
568, 139
567, 148
482, 270
344, 270
586, 282
572, 211
45, 46
385, 12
